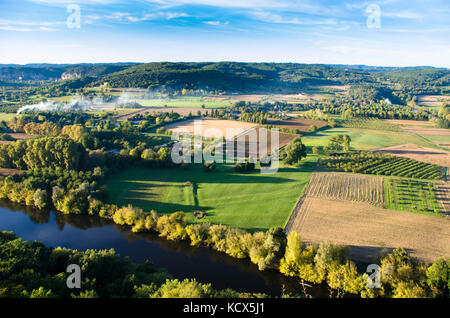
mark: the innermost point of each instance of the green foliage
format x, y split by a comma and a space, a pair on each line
370, 123
51, 152
381, 164
295, 151
411, 195
338, 144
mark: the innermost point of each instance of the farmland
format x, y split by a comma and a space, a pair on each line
432, 101
369, 230
252, 201
411, 195
380, 164
211, 128
370, 123
298, 124
366, 139
414, 152
189, 102
346, 187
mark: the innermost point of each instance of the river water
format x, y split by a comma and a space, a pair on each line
179, 258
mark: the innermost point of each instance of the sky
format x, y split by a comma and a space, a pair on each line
383, 33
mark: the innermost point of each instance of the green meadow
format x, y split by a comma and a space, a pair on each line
366, 139
251, 200
190, 102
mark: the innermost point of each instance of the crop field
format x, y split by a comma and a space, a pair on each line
414, 152
16, 136
7, 116
251, 200
299, 124
379, 164
369, 230
346, 187
252, 148
190, 102
411, 195
211, 128
366, 139
370, 123
432, 101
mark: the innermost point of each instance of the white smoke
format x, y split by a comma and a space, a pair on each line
76, 104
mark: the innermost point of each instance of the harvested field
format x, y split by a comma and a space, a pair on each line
184, 111
404, 122
346, 187
428, 131
252, 148
443, 196
369, 230
299, 124
212, 128
431, 100
16, 136
8, 172
411, 151
254, 98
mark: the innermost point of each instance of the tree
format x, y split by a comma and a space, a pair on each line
295, 151
269, 253
438, 276
40, 198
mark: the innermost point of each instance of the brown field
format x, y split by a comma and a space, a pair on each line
16, 136
341, 88
8, 172
411, 151
428, 131
431, 100
252, 148
184, 111
404, 122
369, 230
297, 123
346, 187
212, 128
254, 98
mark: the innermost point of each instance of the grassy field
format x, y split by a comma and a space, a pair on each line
190, 102
252, 201
6, 116
366, 139
411, 195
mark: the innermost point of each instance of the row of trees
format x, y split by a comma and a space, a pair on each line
401, 276
53, 152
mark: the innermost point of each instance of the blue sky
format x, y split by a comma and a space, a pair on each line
411, 32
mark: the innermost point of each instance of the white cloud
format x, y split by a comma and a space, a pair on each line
215, 23
276, 18
27, 26
12, 28
146, 17
402, 15
66, 2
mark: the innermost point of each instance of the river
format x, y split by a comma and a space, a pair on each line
178, 258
